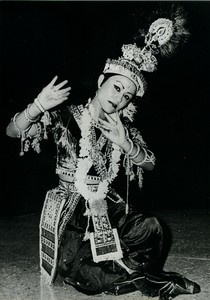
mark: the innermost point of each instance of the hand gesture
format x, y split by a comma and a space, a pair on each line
52, 95
113, 129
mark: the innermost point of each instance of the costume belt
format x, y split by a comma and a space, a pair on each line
90, 179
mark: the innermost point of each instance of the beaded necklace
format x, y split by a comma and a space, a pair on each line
88, 154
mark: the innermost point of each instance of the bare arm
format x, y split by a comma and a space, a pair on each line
50, 96
139, 155
115, 131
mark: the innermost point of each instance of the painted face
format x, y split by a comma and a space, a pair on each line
116, 93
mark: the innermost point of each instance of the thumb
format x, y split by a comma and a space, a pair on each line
117, 117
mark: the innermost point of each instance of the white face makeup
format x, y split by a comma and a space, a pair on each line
116, 93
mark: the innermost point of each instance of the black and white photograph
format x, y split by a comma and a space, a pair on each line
105, 150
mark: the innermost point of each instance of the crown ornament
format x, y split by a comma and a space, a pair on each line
163, 37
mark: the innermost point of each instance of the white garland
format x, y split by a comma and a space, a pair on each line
85, 162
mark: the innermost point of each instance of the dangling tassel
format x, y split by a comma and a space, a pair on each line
126, 164
140, 176
22, 134
46, 121
87, 213
127, 196
22, 144
87, 233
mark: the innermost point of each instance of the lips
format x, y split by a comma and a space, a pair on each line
113, 104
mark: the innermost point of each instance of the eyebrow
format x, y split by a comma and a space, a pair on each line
120, 83
124, 87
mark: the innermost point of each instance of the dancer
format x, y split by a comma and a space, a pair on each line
91, 237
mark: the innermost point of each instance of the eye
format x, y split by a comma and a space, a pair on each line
127, 97
117, 88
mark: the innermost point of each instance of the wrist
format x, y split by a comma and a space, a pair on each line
136, 152
127, 146
28, 117
34, 111
39, 105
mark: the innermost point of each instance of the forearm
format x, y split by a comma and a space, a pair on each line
137, 154
23, 121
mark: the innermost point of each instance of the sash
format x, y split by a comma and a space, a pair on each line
104, 241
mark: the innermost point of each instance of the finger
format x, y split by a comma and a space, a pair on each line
58, 86
63, 99
63, 90
62, 96
110, 119
52, 82
105, 123
118, 117
104, 126
105, 132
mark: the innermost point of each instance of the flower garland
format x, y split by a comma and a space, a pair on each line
85, 162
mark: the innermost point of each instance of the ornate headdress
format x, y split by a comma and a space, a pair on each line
163, 37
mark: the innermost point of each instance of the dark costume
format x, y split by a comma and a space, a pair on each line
64, 243
87, 233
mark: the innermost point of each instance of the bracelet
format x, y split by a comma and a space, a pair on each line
28, 117
22, 134
38, 129
17, 128
131, 148
137, 152
39, 105
144, 159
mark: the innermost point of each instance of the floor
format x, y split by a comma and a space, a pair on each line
19, 258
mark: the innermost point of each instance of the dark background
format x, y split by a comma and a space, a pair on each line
39, 40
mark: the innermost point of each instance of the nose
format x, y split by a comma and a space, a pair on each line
118, 98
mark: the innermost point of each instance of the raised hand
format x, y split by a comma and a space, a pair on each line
52, 95
113, 129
